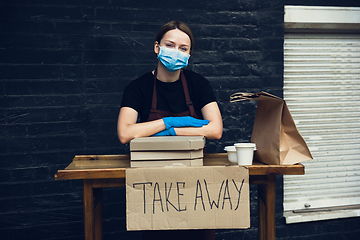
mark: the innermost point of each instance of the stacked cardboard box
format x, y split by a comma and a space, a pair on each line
167, 151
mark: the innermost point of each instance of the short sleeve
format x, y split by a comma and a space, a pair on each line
132, 97
206, 94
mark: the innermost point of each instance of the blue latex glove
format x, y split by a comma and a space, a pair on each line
184, 122
166, 132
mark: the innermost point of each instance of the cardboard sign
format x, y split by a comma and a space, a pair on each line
187, 198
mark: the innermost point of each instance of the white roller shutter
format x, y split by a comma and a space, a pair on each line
322, 90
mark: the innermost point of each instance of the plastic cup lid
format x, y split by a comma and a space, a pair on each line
245, 145
230, 148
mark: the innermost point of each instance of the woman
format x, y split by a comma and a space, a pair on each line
169, 100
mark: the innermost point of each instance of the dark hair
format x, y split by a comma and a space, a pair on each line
175, 25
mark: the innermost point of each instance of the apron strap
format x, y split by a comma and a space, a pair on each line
154, 98
187, 95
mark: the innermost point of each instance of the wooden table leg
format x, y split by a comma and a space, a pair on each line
88, 210
267, 204
98, 213
92, 211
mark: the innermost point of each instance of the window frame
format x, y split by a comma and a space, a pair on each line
309, 19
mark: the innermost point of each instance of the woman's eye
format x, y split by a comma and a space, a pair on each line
169, 45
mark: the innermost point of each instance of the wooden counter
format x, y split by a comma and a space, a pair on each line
104, 171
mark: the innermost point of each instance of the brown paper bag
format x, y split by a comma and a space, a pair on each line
275, 134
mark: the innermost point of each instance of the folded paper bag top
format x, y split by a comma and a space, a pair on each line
277, 138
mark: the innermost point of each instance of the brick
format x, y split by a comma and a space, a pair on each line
120, 14
61, 12
15, 130
40, 56
243, 43
41, 42
108, 71
2, 91
272, 81
5, 175
23, 115
107, 42
101, 113
110, 85
266, 69
231, 31
45, 230
17, 145
103, 126
38, 101
16, 189
203, 43
111, 56
49, 129
205, 57
102, 140
49, 159
103, 99
65, 142
48, 186
26, 26
253, 56
30, 72
269, 17
233, 56
28, 174
27, 87
273, 56
38, 144
62, 113
3, 145
235, 84
9, 159
73, 100
62, 86
2, 115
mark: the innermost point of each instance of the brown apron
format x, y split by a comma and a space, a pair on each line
157, 114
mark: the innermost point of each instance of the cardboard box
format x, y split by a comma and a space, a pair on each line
165, 163
164, 143
166, 155
206, 197
167, 151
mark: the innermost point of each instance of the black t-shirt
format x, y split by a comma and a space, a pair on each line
170, 96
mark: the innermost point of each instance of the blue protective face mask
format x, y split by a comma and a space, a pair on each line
173, 59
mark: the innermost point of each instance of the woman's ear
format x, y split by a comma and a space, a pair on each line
156, 48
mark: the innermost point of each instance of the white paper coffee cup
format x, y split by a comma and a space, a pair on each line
245, 153
231, 151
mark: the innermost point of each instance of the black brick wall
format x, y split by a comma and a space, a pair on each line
63, 67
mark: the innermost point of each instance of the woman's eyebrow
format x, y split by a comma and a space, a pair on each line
184, 44
169, 41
